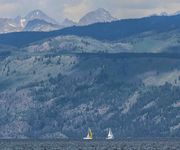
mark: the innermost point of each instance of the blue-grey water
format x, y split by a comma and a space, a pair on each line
90, 145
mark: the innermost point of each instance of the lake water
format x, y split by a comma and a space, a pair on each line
90, 145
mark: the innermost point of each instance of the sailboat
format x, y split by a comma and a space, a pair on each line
110, 135
89, 135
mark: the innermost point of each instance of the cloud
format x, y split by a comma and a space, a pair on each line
5, 8
74, 9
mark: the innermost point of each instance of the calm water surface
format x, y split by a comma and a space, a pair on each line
90, 145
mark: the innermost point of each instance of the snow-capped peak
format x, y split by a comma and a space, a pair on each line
38, 14
99, 15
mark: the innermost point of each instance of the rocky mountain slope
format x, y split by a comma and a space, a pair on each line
41, 25
10, 25
60, 95
96, 16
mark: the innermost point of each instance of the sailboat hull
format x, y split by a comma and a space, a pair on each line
87, 138
109, 138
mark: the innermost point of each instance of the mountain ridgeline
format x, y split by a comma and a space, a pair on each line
101, 31
20, 23
123, 75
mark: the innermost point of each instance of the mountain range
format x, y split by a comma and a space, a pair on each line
39, 21
123, 75
115, 31
42, 22
19, 22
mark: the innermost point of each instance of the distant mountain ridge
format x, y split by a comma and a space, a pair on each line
19, 23
115, 30
99, 15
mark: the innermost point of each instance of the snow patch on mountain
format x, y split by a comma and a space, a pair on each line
22, 22
12, 25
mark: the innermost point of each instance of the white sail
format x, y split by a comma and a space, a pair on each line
110, 135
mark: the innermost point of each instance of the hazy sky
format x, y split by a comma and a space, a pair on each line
74, 9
